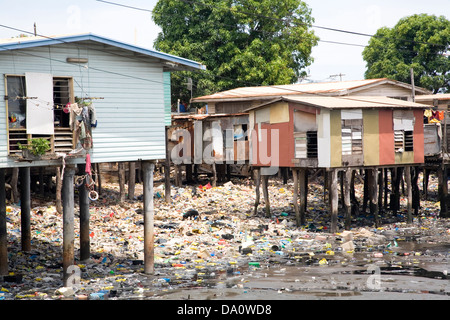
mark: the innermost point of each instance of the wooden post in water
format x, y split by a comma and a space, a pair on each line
257, 177
409, 193
265, 186
25, 208
347, 203
131, 179
443, 190
302, 177
334, 199
373, 194
3, 227
167, 185
83, 199
149, 254
295, 195
68, 220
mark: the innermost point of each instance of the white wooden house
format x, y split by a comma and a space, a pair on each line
128, 87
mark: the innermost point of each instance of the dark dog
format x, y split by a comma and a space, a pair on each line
190, 214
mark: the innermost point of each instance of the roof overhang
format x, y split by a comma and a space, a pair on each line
170, 62
327, 89
345, 102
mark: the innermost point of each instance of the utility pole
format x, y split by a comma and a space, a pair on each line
412, 83
35, 33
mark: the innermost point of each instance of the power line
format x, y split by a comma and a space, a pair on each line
316, 26
284, 20
125, 6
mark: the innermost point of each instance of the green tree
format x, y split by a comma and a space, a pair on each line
241, 42
420, 42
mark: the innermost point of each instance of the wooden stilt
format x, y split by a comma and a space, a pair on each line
83, 199
58, 199
3, 227
373, 194
366, 190
354, 202
214, 171
41, 181
443, 190
121, 172
25, 208
408, 193
14, 182
99, 179
295, 196
380, 190
395, 200
149, 257
302, 181
265, 187
195, 169
257, 177
131, 179
167, 170
68, 221
347, 174
386, 190
188, 169
415, 190
334, 200
426, 175
284, 173
326, 185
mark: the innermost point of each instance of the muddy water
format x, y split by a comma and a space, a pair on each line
400, 274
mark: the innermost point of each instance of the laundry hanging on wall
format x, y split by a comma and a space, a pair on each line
82, 120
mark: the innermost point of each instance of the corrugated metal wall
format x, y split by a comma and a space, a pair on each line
167, 100
131, 116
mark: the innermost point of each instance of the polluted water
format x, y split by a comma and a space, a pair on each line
209, 245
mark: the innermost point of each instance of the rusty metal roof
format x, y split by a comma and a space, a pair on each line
431, 97
195, 116
347, 102
337, 88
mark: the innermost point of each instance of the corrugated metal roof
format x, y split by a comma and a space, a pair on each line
30, 42
204, 116
428, 97
347, 102
319, 88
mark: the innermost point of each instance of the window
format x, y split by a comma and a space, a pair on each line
351, 134
240, 132
61, 97
403, 130
62, 139
16, 102
306, 145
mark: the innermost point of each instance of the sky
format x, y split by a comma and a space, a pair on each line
54, 17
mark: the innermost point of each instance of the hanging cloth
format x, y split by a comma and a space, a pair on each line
88, 164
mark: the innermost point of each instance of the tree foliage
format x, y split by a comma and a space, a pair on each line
420, 42
241, 42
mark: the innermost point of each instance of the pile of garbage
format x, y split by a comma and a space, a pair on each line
203, 236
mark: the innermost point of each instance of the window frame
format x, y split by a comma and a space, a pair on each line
22, 131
